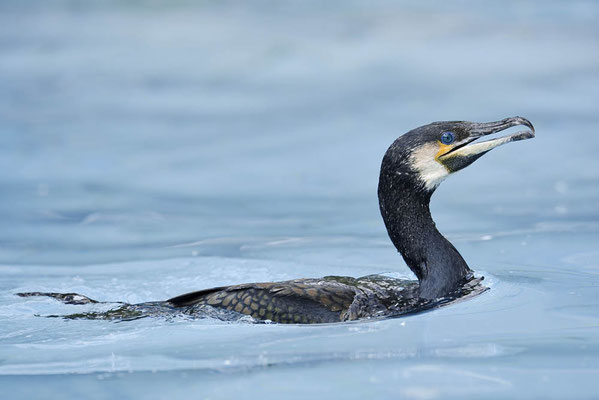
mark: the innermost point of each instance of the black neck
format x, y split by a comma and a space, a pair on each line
404, 204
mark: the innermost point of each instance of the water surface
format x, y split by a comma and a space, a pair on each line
148, 150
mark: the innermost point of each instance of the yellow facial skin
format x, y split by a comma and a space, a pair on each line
443, 149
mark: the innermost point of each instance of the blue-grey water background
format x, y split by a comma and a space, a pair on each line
148, 149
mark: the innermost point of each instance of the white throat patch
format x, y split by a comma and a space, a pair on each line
431, 172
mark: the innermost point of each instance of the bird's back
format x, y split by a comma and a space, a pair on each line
329, 299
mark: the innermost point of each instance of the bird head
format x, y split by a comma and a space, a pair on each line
432, 152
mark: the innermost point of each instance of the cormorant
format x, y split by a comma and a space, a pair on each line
412, 168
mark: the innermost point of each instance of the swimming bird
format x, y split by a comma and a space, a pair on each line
412, 168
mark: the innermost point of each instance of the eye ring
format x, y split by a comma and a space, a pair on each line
447, 137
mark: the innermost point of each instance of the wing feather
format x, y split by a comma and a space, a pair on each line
296, 301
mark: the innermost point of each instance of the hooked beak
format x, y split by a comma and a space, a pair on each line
469, 150
466, 148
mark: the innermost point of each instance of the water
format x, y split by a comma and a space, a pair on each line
150, 149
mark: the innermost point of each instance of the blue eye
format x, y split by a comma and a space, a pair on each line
447, 138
